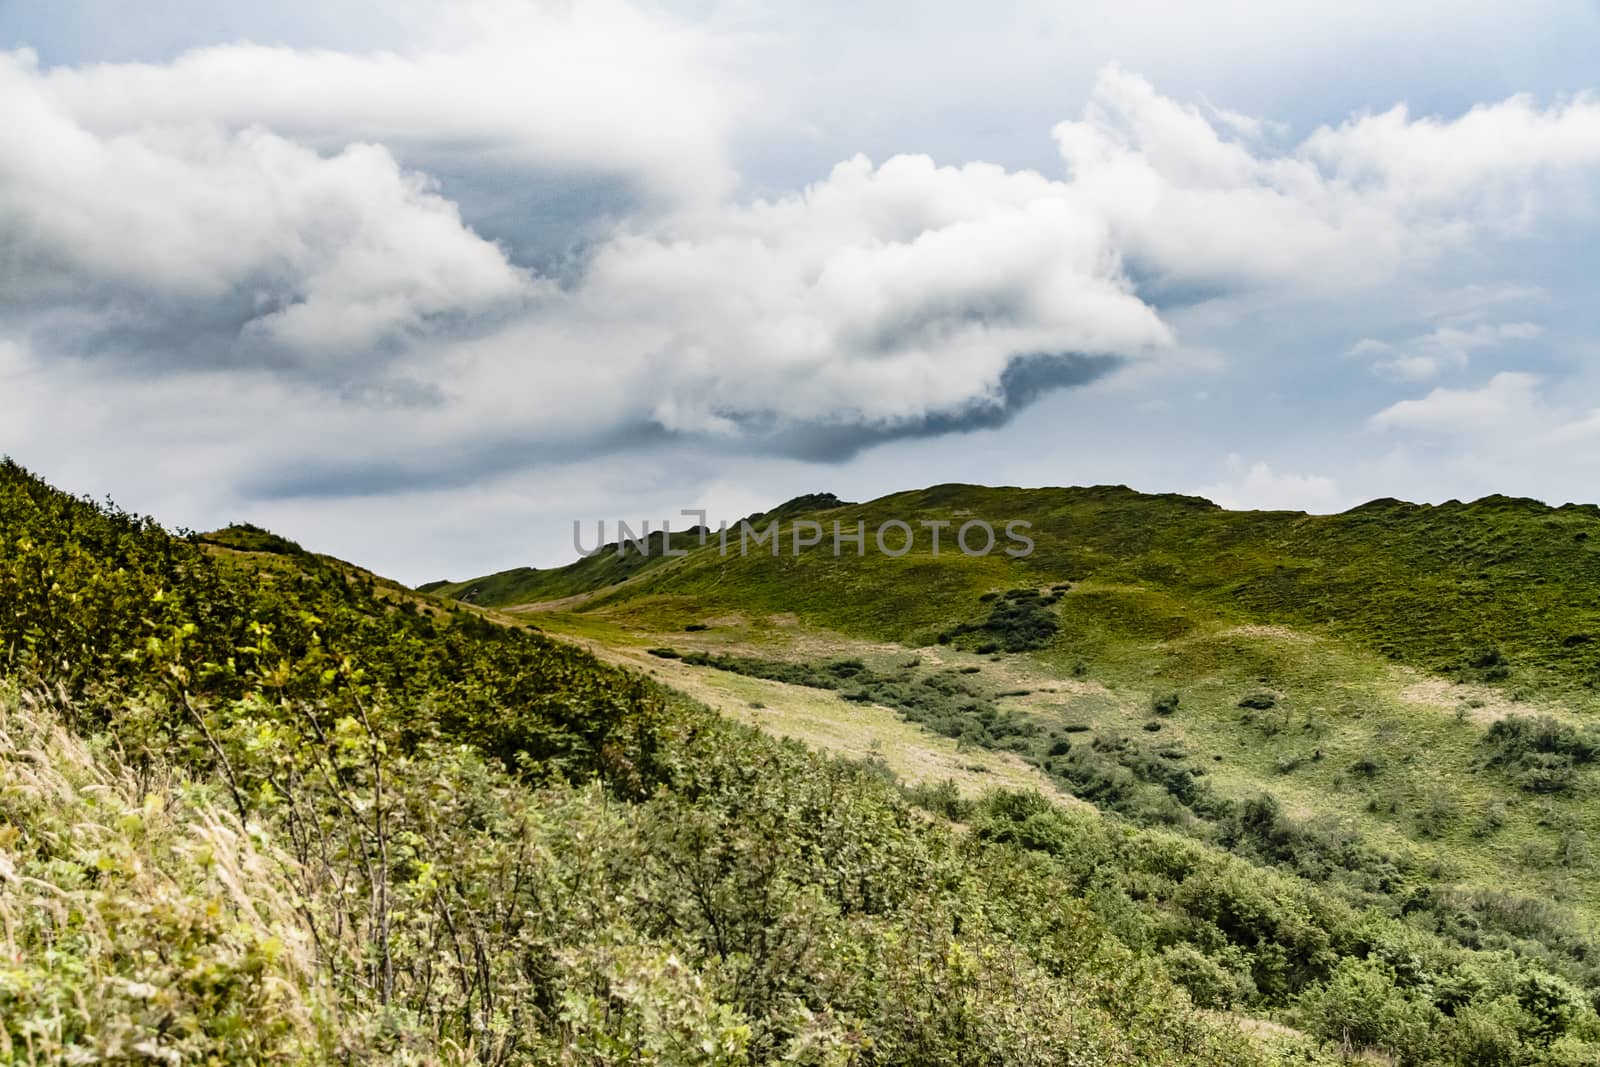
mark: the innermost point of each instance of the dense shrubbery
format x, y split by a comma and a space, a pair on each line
246, 537
1019, 621
1540, 754
428, 907
310, 826
1241, 937
107, 604
1156, 783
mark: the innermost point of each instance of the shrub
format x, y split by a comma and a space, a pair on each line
1366, 767
1018, 622
1489, 656
1211, 983
1540, 754
1164, 703
1359, 1007
942, 798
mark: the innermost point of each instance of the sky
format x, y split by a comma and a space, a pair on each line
420, 285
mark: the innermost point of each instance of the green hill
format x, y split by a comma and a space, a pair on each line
1392, 704
259, 806
1440, 587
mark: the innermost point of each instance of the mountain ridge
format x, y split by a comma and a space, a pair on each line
1429, 584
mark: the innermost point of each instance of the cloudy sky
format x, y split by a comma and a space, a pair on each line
420, 284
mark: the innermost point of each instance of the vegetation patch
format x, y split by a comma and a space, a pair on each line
1540, 754
254, 811
1018, 621
943, 701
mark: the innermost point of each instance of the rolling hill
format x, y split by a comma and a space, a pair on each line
1435, 586
1395, 704
259, 805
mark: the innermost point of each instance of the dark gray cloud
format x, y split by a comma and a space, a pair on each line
1025, 379
455, 466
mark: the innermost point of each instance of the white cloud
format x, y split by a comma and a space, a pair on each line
879, 294
1508, 400
884, 296
1260, 488
335, 251
1495, 154
882, 300
1515, 433
1348, 207
593, 86
1445, 348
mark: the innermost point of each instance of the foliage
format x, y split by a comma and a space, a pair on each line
297, 824
290, 821
1540, 754
1019, 621
1496, 589
107, 604
246, 537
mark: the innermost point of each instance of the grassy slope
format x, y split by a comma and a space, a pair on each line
730, 854
1366, 627
1430, 586
472, 844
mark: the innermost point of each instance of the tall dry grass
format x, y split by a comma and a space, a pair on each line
139, 919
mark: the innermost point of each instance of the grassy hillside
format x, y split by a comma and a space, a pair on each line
259, 813
1392, 705
256, 809
1506, 588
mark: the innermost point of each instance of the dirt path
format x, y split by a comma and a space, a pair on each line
819, 718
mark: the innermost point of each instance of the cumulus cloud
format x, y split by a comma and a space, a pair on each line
878, 295
249, 209
1513, 433
1509, 399
1259, 487
1349, 206
592, 86
1444, 348
329, 253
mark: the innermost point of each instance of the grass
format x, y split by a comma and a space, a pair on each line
497, 836
856, 731
1471, 590
138, 917
1353, 743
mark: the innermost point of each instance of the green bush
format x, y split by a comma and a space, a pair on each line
1540, 754
1359, 1007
